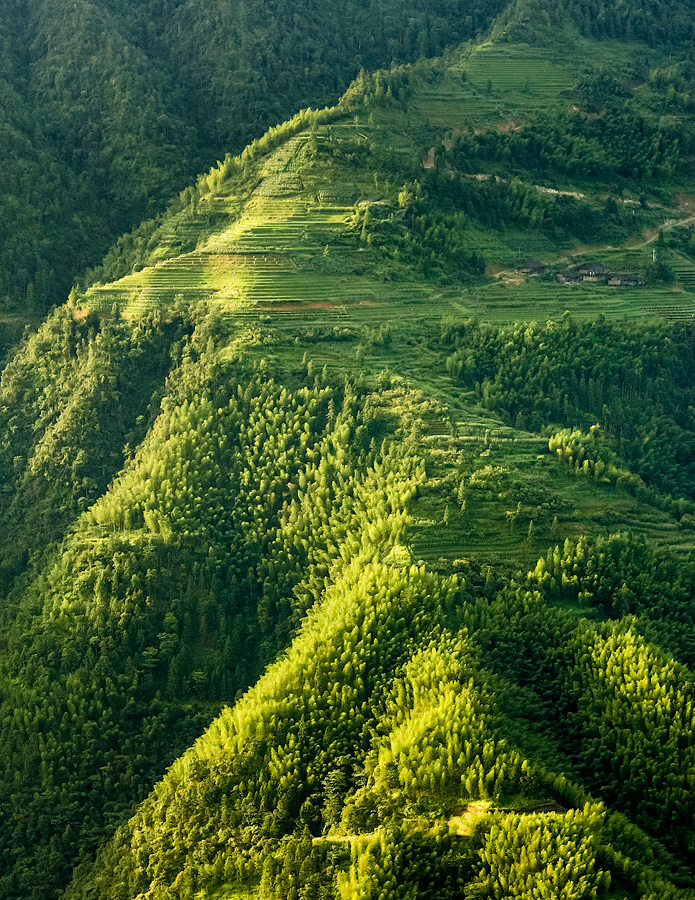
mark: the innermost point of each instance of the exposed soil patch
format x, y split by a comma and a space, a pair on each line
507, 276
450, 138
465, 818
296, 304
686, 202
509, 125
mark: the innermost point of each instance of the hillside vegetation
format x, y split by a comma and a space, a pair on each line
423, 179
340, 559
109, 109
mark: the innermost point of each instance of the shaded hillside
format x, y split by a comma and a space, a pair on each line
77, 399
110, 108
654, 23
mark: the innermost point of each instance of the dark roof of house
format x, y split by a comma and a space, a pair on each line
530, 264
570, 275
594, 267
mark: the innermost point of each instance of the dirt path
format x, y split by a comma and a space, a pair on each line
667, 226
651, 237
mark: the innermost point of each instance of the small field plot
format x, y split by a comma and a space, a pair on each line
495, 84
532, 74
536, 300
503, 249
154, 286
684, 270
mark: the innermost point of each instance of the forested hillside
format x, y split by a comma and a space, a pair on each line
108, 109
447, 731
175, 588
347, 506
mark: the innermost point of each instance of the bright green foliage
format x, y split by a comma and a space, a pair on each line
631, 711
210, 459
256, 504
397, 863
368, 660
287, 754
535, 376
543, 856
443, 739
337, 513
298, 868
623, 707
587, 455
271, 753
180, 513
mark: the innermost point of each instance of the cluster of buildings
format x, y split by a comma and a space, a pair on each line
589, 272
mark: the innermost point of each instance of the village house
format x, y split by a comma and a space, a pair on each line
594, 271
625, 280
530, 267
569, 276
597, 272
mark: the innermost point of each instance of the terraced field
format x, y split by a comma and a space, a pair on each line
504, 251
289, 250
540, 300
536, 73
290, 245
490, 528
685, 274
495, 83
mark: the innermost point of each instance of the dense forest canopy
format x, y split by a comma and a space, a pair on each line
654, 23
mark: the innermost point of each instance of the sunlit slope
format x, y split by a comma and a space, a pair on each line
385, 725
291, 243
319, 215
